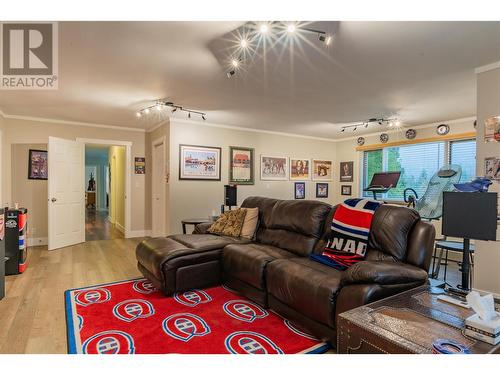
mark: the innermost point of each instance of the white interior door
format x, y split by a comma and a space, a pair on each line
158, 206
66, 188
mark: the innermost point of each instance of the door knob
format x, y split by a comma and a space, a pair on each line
54, 200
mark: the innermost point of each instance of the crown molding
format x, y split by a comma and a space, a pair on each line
486, 68
74, 123
423, 126
174, 120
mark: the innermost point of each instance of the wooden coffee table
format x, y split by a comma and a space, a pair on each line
408, 322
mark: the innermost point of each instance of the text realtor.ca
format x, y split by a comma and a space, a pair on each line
29, 56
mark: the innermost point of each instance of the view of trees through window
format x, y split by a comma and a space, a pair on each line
418, 163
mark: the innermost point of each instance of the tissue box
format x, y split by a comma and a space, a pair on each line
487, 331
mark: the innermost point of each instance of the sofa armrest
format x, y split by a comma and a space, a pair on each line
383, 273
202, 228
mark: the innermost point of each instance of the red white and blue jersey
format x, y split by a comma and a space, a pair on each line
350, 231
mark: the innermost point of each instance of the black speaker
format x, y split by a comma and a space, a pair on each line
230, 198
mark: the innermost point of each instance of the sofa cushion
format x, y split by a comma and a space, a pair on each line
288, 224
248, 262
391, 227
229, 223
206, 241
250, 223
306, 286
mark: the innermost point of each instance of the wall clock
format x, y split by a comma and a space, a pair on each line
411, 133
360, 141
384, 137
442, 129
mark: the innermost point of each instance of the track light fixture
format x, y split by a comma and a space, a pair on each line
380, 121
161, 104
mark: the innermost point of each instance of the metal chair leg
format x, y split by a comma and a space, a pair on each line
445, 266
435, 273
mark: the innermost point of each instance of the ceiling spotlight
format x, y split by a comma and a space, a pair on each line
264, 28
366, 125
397, 123
244, 43
174, 109
230, 73
380, 122
203, 117
138, 114
390, 124
189, 114
235, 63
291, 28
343, 129
146, 111
327, 39
354, 129
158, 107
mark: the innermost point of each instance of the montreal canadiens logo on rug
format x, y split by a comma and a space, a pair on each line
80, 322
133, 309
193, 297
294, 329
89, 297
245, 342
109, 342
244, 310
185, 326
144, 287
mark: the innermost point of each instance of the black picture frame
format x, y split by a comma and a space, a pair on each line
232, 180
217, 150
299, 190
38, 169
346, 171
346, 190
321, 186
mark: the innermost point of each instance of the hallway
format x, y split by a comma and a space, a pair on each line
98, 227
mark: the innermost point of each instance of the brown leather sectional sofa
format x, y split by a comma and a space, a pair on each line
274, 268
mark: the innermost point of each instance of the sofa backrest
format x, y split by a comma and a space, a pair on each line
293, 225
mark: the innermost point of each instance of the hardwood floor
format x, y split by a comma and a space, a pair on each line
32, 316
97, 226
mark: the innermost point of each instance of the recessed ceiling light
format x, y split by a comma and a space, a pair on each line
291, 28
264, 28
244, 43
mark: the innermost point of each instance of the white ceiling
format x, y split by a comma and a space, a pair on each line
421, 72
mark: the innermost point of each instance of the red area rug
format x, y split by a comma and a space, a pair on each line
132, 317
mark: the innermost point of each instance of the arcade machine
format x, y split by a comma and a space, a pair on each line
2, 253
16, 250
383, 182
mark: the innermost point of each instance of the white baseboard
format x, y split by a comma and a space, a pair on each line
110, 220
38, 241
120, 227
482, 292
137, 233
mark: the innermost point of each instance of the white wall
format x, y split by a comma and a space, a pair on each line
191, 199
487, 257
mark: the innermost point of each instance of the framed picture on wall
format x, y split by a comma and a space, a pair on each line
273, 168
492, 129
241, 165
346, 190
346, 171
140, 165
321, 190
199, 163
492, 168
300, 169
300, 190
38, 168
322, 170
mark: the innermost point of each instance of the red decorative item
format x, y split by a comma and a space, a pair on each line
132, 317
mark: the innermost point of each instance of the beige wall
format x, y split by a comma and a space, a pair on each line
31, 194
117, 186
29, 131
190, 199
487, 256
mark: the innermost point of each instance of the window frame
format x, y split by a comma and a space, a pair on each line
446, 158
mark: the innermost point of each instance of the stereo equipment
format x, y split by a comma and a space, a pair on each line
230, 198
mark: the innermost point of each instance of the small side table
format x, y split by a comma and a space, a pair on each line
192, 222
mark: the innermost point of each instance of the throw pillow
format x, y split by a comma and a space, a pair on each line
234, 223
250, 223
229, 223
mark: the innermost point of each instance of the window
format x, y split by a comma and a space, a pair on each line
417, 163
